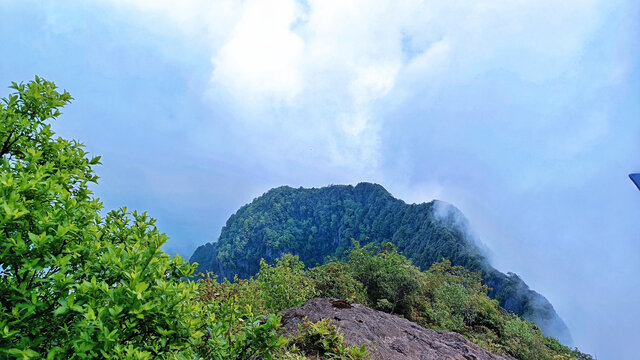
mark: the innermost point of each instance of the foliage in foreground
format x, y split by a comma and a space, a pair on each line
75, 284
234, 331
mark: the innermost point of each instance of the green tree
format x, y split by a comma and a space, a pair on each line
284, 285
74, 284
334, 280
458, 299
234, 331
390, 280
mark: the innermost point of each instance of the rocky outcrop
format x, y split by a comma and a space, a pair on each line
388, 337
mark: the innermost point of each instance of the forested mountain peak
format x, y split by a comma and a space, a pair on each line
316, 223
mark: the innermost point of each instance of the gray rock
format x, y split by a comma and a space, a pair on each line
388, 337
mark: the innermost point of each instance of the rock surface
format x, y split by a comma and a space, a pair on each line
388, 337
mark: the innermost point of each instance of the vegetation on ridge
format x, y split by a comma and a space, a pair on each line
445, 297
320, 222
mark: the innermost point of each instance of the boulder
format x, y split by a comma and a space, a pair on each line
386, 336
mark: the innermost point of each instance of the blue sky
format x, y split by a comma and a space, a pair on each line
525, 115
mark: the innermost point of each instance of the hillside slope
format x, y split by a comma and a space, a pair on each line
320, 222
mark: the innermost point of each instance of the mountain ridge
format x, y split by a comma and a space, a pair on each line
314, 223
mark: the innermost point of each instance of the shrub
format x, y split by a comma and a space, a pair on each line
284, 285
232, 328
334, 280
72, 283
524, 341
390, 281
323, 340
458, 300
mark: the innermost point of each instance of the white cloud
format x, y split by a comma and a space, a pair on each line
263, 56
203, 22
276, 59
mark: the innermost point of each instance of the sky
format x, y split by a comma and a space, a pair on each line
523, 114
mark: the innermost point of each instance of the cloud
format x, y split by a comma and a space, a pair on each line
427, 63
263, 56
203, 24
275, 59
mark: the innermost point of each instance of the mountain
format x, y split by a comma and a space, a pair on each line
319, 222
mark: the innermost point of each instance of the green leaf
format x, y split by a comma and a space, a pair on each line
95, 160
63, 309
140, 287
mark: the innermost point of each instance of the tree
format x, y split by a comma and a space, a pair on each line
390, 280
74, 284
284, 285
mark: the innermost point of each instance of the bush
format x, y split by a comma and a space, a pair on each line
284, 285
445, 297
232, 330
390, 281
458, 300
322, 340
333, 280
72, 282
524, 341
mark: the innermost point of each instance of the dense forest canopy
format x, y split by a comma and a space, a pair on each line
320, 222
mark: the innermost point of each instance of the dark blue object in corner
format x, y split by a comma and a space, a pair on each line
636, 179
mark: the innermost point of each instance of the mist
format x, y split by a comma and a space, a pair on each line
523, 116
